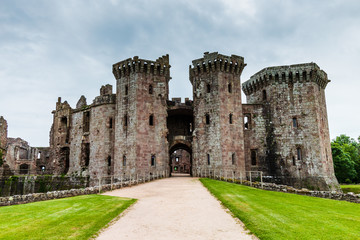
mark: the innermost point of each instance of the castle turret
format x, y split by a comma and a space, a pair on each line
141, 146
293, 124
218, 141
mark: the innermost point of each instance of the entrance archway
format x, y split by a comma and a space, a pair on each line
180, 155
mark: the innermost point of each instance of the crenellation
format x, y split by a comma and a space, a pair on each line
303, 73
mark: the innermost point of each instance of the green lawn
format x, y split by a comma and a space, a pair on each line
68, 218
351, 188
276, 215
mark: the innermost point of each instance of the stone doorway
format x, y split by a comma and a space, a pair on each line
180, 156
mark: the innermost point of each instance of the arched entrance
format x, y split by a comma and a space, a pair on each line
180, 155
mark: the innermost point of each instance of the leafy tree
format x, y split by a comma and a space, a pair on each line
346, 157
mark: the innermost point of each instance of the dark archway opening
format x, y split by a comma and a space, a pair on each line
180, 162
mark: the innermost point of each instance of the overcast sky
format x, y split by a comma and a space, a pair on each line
66, 48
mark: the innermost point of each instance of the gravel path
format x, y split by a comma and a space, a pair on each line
173, 208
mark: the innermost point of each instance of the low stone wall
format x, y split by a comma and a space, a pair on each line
350, 197
35, 197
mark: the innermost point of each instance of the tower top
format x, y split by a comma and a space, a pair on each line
160, 67
305, 72
214, 62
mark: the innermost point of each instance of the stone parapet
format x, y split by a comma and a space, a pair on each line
215, 62
306, 72
135, 65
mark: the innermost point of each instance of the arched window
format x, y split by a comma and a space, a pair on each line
24, 168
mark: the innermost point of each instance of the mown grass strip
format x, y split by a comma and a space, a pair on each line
351, 188
276, 215
68, 218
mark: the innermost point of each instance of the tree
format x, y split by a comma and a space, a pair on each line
346, 157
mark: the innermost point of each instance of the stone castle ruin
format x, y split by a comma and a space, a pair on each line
282, 130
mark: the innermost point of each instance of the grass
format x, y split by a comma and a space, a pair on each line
68, 218
276, 215
351, 188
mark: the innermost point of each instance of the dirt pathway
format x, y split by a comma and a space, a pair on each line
173, 208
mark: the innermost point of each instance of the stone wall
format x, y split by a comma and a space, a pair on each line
36, 197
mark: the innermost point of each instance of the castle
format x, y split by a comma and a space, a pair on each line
281, 131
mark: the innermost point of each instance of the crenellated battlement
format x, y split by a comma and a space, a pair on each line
159, 67
306, 72
214, 62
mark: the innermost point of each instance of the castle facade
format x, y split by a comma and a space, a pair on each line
282, 130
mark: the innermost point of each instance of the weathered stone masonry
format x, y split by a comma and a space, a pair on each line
282, 130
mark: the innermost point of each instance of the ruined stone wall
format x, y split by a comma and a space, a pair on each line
3, 144
217, 140
296, 124
18, 154
140, 139
3, 133
83, 137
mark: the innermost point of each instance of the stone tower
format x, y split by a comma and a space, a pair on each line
218, 139
141, 145
289, 138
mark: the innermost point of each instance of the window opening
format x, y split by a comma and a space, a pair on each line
125, 120
124, 161
150, 89
253, 157
299, 155
247, 122
207, 117
229, 88
109, 161
230, 118
208, 88
110, 123
264, 95
294, 121
208, 159
233, 158
126, 90
86, 121
152, 160
294, 161
151, 120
